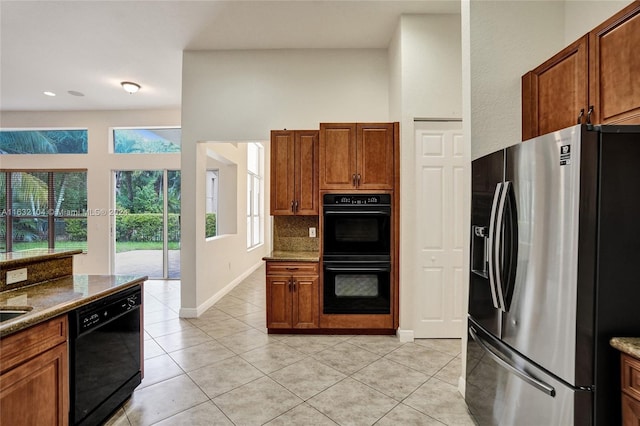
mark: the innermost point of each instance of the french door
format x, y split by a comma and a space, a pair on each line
146, 229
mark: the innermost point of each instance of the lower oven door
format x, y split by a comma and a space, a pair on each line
357, 288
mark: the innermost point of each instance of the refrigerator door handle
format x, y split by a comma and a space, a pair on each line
492, 242
538, 384
499, 244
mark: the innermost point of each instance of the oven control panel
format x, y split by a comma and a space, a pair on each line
359, 199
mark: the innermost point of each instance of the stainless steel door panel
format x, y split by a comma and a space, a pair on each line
497, 396
487, 172
541, 321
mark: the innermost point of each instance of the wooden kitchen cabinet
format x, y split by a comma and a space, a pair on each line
556, 93
614, 68
292, 295
594, 80
630, 375
357, 156
294, 172
34, 375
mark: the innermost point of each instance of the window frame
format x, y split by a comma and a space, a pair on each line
51, 216
255, 214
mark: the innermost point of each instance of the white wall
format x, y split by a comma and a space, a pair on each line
507, 39
425, 59
581, 16
99, 161
241, 96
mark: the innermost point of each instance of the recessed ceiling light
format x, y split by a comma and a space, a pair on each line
130, 86
49, 93
75, 93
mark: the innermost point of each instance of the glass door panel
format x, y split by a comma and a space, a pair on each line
139, 224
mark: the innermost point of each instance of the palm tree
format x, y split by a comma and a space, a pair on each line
25, 143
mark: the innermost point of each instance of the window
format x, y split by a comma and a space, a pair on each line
254, 195
146, 141
211, 203
43, 209
43, 141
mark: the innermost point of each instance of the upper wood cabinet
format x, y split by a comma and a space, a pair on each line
556, 93
294, 172
594, 80
614, 68
357, 156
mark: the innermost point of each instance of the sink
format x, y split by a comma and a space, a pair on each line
10, 313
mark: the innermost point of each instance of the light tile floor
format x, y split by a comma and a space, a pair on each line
223, 369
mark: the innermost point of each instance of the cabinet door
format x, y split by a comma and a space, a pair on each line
282, 172
305, 302
556, 91
614, 76
630, 411
337, 156
306, 172
278, 302
37, 392
374, 156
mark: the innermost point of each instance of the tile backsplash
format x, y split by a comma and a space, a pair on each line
291, 233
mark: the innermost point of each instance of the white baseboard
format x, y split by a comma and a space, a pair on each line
405, 336
196, 312
462, 385
188, 313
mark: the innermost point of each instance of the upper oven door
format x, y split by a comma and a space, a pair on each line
357, 229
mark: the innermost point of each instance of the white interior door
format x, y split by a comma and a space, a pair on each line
442, 191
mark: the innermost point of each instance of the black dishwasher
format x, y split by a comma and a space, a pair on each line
104, 356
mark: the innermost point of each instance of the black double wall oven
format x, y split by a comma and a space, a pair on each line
357, 253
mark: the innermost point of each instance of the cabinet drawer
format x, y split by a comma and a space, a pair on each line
280, 268
631, 376
23, 345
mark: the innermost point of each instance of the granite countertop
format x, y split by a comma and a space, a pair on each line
292, 256
52, 298
17, 258
627, 345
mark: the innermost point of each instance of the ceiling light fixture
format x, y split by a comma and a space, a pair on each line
49, 93
130, 86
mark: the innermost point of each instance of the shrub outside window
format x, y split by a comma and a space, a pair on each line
43, 209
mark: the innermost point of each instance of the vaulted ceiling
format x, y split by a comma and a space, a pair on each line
88, 47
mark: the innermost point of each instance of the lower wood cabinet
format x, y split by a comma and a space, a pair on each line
292, 295
34, 375
630, 390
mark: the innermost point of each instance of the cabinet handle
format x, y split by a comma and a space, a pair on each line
358, 179
353, 179
296, 207
292, 211
292, 269
580, 116
289, 286
589, 114
294, 285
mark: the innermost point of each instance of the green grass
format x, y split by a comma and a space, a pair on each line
72, 245
122, 246
82, 245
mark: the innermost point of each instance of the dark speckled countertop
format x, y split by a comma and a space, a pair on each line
13, 259
52, 298
292, 256
627, 345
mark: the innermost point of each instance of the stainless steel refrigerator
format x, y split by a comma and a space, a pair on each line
555, 261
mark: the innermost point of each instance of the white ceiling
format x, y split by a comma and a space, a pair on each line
91, 46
